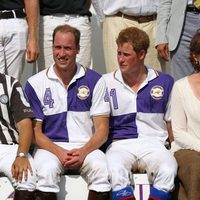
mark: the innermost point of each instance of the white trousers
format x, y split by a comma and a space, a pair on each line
49, 169
7, 156
111, 28
13, 39
146, 154
49, 23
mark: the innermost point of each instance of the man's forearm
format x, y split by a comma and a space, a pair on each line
25, 135
32, 15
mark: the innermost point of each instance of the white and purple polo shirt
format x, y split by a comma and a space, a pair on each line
66, 114
140, 114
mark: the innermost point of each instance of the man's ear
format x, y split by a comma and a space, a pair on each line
142, 54
78, 48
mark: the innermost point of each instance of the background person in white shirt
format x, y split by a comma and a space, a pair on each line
120, 14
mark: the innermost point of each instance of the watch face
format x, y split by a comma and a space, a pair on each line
21, 155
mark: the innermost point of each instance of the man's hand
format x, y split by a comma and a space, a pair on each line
77, 158
32, 51
20, 169
163, 51
64, 155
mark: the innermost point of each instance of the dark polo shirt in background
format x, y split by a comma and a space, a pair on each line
11, 4
49, 7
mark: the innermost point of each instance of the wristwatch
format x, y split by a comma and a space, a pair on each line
21, 155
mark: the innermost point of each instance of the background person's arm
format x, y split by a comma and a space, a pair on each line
32, 16
163, 15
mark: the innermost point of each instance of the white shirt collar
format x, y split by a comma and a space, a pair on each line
152, 74
80, 72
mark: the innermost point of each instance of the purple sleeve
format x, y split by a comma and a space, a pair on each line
34, 101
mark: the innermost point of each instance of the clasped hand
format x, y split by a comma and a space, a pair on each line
73, 159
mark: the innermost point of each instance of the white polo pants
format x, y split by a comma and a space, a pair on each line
140, 153
7, 156
49, 169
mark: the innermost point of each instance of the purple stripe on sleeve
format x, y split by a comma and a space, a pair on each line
34, 101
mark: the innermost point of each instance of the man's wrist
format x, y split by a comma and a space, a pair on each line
21, 155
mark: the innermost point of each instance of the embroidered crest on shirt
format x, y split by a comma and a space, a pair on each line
83, 92
157, 92
4, 99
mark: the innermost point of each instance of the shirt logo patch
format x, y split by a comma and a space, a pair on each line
157, 92
4, 99
83, 92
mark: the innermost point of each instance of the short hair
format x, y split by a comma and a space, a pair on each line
136, 37
195, 49
68, 29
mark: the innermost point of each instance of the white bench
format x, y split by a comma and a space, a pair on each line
73, 187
